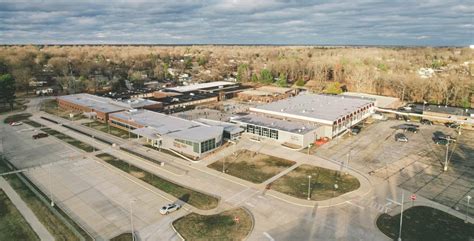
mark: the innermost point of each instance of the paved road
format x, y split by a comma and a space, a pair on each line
26, 212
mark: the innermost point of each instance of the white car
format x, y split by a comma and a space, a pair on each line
169, 208
18, 123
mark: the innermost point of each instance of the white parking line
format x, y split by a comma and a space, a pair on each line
249, 204
356, 205
268, 236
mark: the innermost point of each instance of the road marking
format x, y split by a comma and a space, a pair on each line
356, 205
249, 204
268, 236
237, 194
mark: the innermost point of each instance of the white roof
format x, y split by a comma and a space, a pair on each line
195, 87
380, 101
98, 103
314, 107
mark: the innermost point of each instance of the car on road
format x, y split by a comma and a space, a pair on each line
400, 137
16, 123
355, 130
441, 142
426, 122
170, 208
453, 125
411, 129
447, 137
40, 135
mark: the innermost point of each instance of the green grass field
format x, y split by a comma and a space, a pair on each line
109, 129
122, 237
252, 167
192, 197
12, 224
296, 182
220, 226
79, 144
426, 223
17, 117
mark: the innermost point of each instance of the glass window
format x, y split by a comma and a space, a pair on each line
208, 145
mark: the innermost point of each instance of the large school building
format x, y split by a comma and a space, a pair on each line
190, 138
300, 120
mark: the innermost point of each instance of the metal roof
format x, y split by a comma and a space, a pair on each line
298, 127
228, 127
195, 87
380, 101
314, 107
170, 125
98, 103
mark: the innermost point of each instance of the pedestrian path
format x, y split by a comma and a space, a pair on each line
25, 211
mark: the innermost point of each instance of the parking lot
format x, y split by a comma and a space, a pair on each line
416, 165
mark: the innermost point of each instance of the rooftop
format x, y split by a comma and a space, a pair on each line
298, 127
314, 107
195, 87
380, 101
98, 103
157, 123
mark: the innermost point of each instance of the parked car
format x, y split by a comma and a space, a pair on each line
379, 117
426, 122
447, 137
169, 208
355, 130
400, 137
452, 125
40, 135
17, 123
441, 142
411, 129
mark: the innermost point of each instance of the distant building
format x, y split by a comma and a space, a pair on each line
302, 119
190, 138
380, 100
266, 94
100, 107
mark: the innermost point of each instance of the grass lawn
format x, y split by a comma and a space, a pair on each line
295, 183
32, 123
12, 224
192, 197
42, 210
51, 107
252, 167
215, 227
163, 150
122, 237
79, 144
113, 130
17, 117
18, 105
426, 223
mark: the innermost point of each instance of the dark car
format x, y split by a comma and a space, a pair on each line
452, 125
412, 129
441, 142
426, 122
400, 137
446, 137
355, 130
40, 135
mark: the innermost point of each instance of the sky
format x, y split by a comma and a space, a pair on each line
342, 22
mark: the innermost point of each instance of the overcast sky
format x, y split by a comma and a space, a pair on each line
358, 22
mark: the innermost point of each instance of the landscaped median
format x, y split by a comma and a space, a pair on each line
63, 137
192, 197
235, 224
251, 166
325, 183
426, 223
106, 128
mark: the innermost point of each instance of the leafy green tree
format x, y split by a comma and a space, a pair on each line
266, 77
333, 88
282, 82
300, 82
7, 89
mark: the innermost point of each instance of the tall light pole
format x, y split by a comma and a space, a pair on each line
447, 154
401, 213
131, 218
50, 185
309, 187
467, 208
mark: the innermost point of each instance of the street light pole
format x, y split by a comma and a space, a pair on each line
467, 208
50, 186
447, 154
309, 187
401, 218
131, 219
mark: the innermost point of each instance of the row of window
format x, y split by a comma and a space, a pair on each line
262, 131
208, 145
122, 124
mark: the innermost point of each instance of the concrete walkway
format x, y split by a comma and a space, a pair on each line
25, 211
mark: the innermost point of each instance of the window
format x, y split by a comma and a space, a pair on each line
208, 145
274, 134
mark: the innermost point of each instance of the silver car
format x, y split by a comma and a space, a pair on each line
401, 137
169, 208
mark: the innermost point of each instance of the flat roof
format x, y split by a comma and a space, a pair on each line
136, 103
314, 107
297, 127
380, 100
447, 109
98, 103
195, 87
228, 127
170, 125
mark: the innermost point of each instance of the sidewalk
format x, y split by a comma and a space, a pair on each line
25, 211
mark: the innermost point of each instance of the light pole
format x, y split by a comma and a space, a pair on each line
309, 147
447, 154
50, 185
467, 208
309, 187
348, 158
401, 214
131, 218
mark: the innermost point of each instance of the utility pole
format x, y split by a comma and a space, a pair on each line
309, 187
131, 219
467, 208
401, 213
